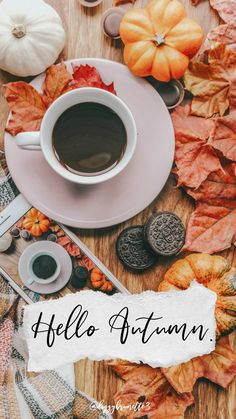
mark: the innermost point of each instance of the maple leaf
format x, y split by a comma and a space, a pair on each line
26, 105
226, 9
56, 82
212, 226
87, 76
223, 137
150, 386
195, 158
212, 84
219, 367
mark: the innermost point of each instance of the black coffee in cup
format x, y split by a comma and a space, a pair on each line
44, 266
89, 138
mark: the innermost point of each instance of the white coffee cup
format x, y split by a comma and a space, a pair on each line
43, 140
35, 278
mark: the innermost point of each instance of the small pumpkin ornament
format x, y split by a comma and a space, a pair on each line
159, 39
31, 36
36, 222
100, 282
215, 273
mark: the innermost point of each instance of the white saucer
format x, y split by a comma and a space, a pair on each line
62, 255
125, 195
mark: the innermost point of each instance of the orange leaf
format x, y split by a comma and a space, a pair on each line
56, 82
26, 105
223, 138
212, 84
219, 366
194, 156
212, 226
150, 387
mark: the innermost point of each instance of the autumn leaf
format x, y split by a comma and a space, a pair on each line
212, 84
223, 34
87, 76
212, 226
226, 9
26, 105
69, 246
149, 386
195, 158
219, 367
56, 82
182, 377
223, 137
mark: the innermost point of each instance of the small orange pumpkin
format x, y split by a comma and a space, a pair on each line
215, 273
36, 222
159, 39
100, 282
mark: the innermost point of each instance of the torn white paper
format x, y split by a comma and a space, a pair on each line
160, 329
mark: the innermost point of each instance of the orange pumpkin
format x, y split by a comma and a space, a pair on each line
159, 39
36, 222
100, 282
215, 273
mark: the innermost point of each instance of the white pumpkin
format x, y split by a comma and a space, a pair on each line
31, 36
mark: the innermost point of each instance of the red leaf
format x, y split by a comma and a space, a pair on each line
194, 156
212, 226
26, 105
87, 76
160, 400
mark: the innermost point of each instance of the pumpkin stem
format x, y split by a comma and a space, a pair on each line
160, 39
19, 31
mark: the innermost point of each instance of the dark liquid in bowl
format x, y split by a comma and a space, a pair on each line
89, 138
44, 266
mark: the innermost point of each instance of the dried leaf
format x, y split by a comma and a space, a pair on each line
29, 106
212, 226
219, 367
194, 156
223, 137
182, 377
150, 387
87, 76
212, 84
226, 9
26, 105
223, 34
87, 263
56, 82
69, 246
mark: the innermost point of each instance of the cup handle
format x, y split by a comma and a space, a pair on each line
30, 281
28, 140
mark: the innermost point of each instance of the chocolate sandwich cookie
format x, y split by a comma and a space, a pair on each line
165, 233
132, 250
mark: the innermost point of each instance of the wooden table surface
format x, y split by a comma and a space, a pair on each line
85, 39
